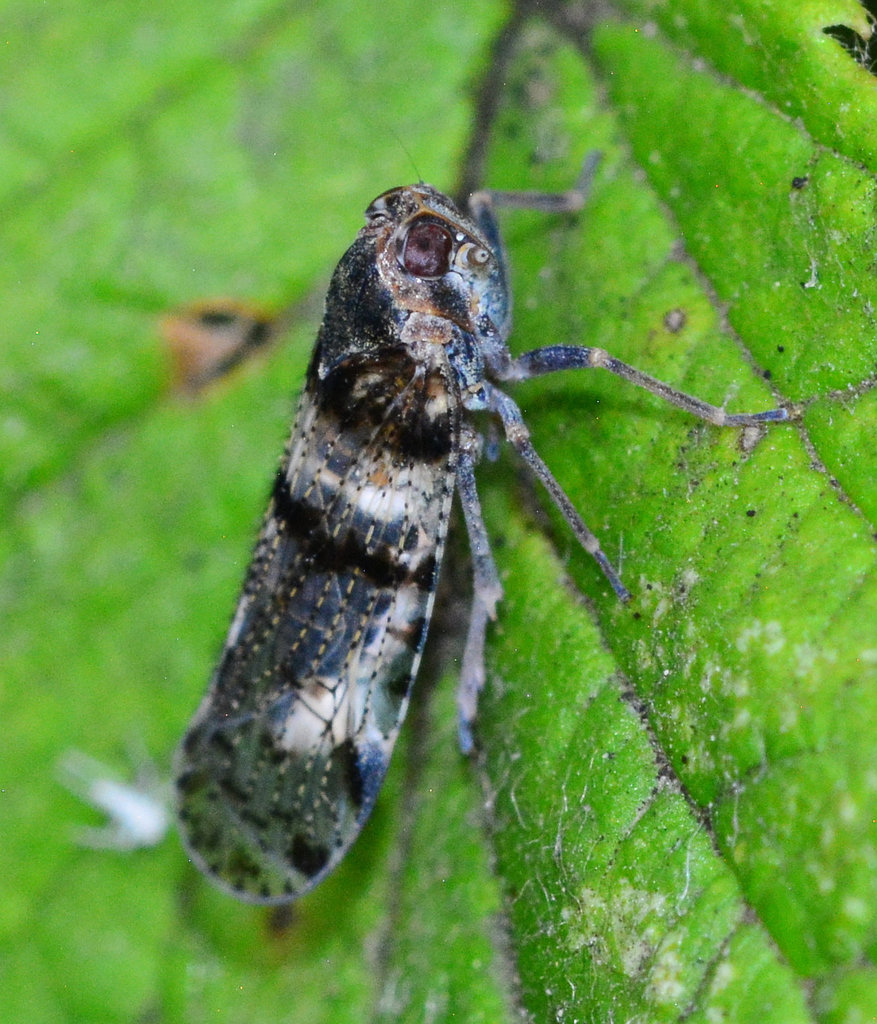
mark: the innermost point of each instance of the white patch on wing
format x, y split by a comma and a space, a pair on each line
318, 715
237, 624
383, 503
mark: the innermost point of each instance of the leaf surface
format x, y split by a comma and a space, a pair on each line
672, 813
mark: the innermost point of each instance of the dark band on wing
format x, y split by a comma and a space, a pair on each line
348, 552
362, 393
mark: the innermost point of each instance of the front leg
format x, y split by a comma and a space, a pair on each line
552, 358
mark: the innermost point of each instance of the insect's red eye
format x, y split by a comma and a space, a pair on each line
427, 250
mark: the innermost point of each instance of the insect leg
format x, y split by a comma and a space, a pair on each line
482, 206
518, 436
487, 592
570, 201
578, 357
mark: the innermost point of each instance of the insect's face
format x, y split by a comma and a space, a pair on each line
427, 247
432, 256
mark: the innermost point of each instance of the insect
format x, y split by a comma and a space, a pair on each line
282, 763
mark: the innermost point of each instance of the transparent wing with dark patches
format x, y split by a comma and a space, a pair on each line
282, 764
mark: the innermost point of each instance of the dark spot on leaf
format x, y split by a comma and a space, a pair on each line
217, 317
675, 320
281, 919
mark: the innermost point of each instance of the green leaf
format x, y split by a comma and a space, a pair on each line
745, 822
672, 815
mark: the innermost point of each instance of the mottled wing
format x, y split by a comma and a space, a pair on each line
283, 761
